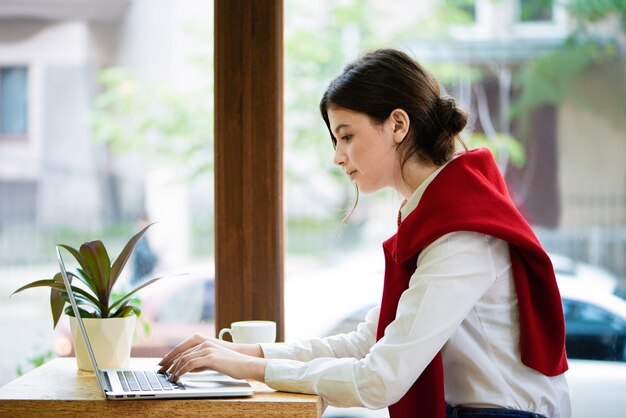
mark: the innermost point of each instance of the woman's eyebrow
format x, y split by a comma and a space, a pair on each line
339, 127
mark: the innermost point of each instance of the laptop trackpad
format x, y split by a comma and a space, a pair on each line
207, 380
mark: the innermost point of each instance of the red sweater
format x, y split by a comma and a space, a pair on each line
469, 194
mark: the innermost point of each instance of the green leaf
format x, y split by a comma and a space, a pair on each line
40, 283
78, 292
56, 301
124, 311
84, 277
83, 313
77, 255
82, 300
136, 310
147, 328
127, 309
116, 313
124, 256
98, 268
98, 276
128, 295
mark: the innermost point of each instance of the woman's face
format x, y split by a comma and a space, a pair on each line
366, 152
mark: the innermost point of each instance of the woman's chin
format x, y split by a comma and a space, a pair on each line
366, 188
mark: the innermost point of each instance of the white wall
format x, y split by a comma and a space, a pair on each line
154, 44
60, 74
592, 147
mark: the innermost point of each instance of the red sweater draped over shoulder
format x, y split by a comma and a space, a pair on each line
469, 194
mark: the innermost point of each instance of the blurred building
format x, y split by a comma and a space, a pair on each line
573, 185
52, 174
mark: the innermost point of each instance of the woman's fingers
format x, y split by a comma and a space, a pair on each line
211, 355
195, 359
200, 353
186, 345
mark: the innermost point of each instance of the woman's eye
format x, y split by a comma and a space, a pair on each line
346, 138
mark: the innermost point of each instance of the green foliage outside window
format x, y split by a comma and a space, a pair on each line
172, 126
176, 127
550, 79
535, 10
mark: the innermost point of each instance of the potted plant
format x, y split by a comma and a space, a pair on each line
109, 317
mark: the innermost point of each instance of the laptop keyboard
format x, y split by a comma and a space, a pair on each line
137, 381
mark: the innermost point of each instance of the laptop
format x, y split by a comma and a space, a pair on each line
120, 384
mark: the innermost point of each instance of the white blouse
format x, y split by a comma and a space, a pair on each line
461, 300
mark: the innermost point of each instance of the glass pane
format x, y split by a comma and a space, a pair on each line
536, 10
526, 102
465, 6
13, 101
592, 314
122, 138
594, 333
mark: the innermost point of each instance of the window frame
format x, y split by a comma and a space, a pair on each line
249, 231
21, 137
541, 29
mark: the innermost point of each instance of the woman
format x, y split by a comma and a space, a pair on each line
470, 322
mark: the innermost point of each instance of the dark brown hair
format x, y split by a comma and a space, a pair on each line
387, 79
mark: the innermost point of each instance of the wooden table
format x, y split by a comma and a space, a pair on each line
58, 388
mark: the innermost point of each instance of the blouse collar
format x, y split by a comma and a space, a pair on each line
408, 205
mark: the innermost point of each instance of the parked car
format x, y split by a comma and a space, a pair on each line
597, 388
570, 270
176, 309
595, 343
595, 323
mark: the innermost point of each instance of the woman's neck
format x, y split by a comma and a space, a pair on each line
413, 175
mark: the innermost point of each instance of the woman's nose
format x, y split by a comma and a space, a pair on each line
340, 157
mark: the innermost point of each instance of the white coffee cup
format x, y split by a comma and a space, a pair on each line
251, 332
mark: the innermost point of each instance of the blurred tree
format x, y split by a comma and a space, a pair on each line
320, 37
172, 126
551, 78
175, 127
467, 80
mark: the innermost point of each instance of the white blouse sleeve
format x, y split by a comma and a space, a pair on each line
452, 274
354, 344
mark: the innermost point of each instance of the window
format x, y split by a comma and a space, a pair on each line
13, 101
540, 20
535, 11
467, 7
105, 146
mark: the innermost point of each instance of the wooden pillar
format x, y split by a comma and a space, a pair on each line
249, 243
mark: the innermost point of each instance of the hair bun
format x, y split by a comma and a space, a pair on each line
451, 117
446, 105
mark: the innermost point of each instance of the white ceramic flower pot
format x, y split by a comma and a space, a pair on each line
111, 340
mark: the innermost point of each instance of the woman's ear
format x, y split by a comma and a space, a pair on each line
401, 124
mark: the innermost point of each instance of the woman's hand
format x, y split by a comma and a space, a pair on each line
199, 353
